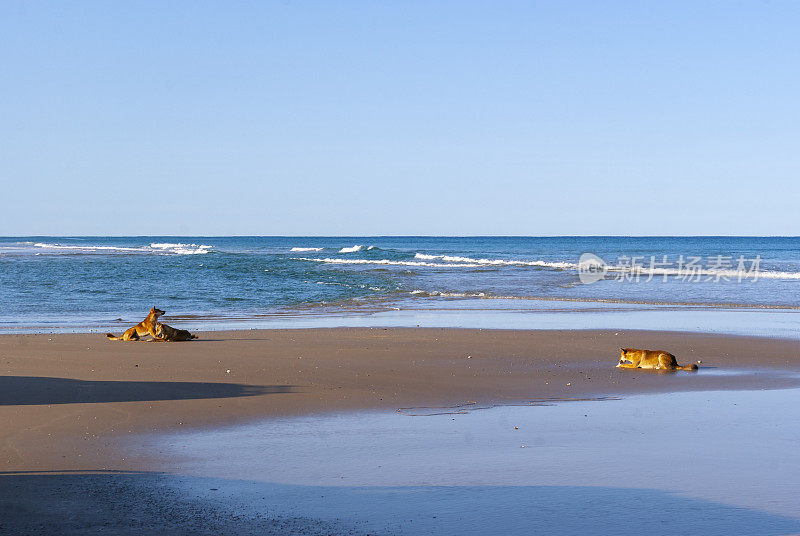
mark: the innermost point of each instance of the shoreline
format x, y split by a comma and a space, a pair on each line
771, 322
70, 399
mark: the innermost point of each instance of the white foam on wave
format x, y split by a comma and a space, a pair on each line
387, 262
440, 294
496, 262
691, 274
643, 271
164, 248
83, 248
188, 251
351, 249
181, 249
305, 249
778, 275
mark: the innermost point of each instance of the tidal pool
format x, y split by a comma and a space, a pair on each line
723, 462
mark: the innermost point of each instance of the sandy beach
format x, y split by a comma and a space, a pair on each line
70, 403
64, 398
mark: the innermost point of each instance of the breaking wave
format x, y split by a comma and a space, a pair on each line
496, 262
641, 271
83, 248
182, 249
385, 262
157, 248
692, 274
612, 271
353, 249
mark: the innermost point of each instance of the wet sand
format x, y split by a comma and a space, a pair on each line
64, 398
711, 462
69, 403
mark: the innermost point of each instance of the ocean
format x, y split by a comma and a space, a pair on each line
60, 282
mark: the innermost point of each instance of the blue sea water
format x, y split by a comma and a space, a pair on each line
58, 281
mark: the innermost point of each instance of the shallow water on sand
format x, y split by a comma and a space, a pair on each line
469, 314
721, 462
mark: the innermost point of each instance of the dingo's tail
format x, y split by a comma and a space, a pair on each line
112, 337
688, 367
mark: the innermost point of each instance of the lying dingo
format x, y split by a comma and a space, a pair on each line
168, 333
145, 327
650, 359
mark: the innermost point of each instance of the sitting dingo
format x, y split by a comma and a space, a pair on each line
145, 327
168, 333
650, 359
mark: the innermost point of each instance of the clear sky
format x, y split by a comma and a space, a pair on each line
365, 118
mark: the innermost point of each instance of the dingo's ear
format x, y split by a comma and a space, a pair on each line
623, 350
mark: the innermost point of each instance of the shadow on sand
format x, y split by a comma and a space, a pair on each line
154, 503
30, 390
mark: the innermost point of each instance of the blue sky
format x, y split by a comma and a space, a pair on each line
365, 118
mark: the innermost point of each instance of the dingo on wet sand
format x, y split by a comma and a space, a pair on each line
650, 359
145, 327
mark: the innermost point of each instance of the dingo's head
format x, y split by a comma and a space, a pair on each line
157, 312
623, 357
